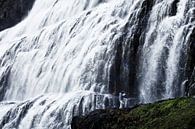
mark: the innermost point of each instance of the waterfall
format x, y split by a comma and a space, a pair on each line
167, 36
57, 51
67, 58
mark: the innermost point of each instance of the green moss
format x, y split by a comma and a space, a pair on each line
176, 113
171, 114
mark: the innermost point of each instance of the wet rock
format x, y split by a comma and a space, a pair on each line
173, 10
13, 11
124, 68
192, 90
190, 65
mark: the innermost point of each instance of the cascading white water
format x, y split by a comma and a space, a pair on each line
179, 43
57, 62
57, 52
165, 37
62, 51
153, 47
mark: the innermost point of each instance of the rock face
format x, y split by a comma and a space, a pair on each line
171, 114
122, 79
12, 12
190, 65
192, 90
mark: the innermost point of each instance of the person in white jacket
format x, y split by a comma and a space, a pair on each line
122, 96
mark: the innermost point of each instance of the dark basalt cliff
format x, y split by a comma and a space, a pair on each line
190, 67
13, 11
171, 114
122, 79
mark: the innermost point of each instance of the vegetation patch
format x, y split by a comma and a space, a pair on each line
170, 114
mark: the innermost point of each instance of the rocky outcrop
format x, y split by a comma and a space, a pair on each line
190, 65
13, 11
171, 114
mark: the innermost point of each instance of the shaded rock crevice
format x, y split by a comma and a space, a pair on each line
13, 11
124, 68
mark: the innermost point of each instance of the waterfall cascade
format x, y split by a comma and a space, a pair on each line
68, 58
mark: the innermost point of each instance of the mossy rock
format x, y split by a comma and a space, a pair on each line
171, 114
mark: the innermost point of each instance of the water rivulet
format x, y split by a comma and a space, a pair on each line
68, 58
